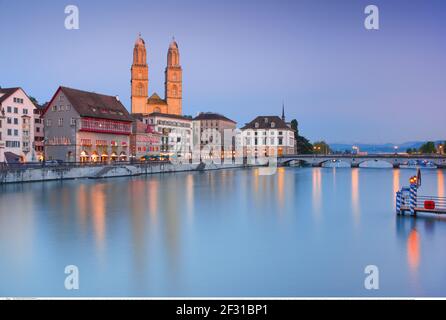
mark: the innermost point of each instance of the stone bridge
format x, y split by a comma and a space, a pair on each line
396, 160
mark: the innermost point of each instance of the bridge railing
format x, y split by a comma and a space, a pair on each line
439, 202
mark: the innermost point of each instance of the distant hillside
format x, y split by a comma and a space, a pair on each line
378, 148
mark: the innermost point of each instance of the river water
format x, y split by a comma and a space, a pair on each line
300, 232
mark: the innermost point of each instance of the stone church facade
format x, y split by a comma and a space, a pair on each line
173, 85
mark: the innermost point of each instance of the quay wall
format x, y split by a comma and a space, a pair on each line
20, 175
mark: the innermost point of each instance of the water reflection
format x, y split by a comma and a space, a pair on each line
281, 187
99, 200
396, 184
317, 192
440, 183
413, 249
220, 233
355, 195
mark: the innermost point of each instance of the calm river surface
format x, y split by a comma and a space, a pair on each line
301, 232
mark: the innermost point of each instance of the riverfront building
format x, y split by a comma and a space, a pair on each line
209, 129
84, 126
39, 132
145, 142
141, 102
16, 126
267, 134
176, 133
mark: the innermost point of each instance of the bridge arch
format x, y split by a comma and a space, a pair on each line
390, 162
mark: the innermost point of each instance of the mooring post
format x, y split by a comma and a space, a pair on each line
413, 198
398, 202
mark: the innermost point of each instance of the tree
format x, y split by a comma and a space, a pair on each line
303, 146
321, 147
443, 148
34, 100
428, 147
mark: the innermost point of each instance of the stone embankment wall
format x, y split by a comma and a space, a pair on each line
63, 172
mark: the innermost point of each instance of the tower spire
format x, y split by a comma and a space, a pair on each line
283, 110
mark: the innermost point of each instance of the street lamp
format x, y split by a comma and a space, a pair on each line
396, 149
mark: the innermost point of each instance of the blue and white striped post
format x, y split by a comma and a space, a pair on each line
398, 202
413, 198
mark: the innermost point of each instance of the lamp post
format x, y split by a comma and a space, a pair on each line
396, 149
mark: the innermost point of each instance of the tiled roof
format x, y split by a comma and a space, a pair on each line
166, 115
7, 92
95, 105
266, 122
212, 116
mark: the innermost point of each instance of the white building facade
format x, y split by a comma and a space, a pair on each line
16, 126
266, 136
177, 135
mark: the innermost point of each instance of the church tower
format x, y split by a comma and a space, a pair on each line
140, 77
174, 81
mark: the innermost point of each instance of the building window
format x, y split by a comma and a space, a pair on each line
16, 110
25, 111
273, 124
48, 122
13, 144
272, 141
256, 125
280, 141
60, 108
60, 122
9, 132
16, 121
16, 132
68, 108
9, 109
54, 108
25, 121
37, 129
73, 121
9, 120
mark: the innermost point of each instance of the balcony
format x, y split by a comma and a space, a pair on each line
105, 126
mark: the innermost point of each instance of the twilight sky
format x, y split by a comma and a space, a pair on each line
242, 58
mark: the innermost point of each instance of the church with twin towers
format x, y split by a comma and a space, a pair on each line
140, 100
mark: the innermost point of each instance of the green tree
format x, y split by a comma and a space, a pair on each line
303, 146
321, 147
428, 147
443, 148
34, 100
